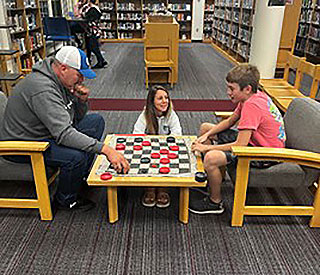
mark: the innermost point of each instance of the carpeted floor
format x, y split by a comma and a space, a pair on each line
153, 241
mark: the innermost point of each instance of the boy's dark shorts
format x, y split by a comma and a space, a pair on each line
230, 135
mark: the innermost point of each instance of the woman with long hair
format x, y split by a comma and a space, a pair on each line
158, 118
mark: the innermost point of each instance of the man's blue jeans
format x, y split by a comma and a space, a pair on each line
74, 164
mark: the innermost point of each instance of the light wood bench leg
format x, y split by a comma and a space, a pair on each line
240, 192
112, 204
184, 205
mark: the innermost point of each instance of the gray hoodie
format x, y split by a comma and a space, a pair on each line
42, 108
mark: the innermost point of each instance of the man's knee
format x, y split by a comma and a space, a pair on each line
97, 119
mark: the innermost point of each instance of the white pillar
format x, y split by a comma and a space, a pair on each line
267, 26
197, 19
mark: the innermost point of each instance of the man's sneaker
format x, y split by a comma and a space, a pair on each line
206, 206
81, 203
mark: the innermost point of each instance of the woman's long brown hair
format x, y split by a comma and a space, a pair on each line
151, 112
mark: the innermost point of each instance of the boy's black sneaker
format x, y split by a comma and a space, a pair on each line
206, 206
202, 190
81, 203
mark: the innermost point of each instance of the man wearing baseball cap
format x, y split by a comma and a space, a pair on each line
50, 104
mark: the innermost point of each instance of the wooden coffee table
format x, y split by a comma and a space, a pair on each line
184, 181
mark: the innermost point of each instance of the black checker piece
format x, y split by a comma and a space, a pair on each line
183, 161
171, 139
134, 165
146, 152
145, 160
183, 170
121, 140
143, 171
154, 140
129, 143
180, 144
138, 139
183, 152
163, 144
174, 165
128, 152
136, 156
155, 148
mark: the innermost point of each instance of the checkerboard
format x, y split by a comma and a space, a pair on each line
183, 166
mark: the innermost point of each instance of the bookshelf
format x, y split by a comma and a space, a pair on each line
232, 27
125, 19
208, 19
129, 14
308, 36
24, 19
108, 21
182, 11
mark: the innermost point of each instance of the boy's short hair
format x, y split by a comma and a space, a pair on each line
244, 75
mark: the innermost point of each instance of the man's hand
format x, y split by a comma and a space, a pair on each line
81, 92
198, 147
118, 161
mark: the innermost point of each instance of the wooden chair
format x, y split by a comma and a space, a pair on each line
291, 64
36, 171
298, 160
157, 58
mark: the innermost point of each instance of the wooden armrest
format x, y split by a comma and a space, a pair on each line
278, 154
23, 146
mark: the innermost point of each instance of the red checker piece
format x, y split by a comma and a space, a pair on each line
106, 176
120, 146
155, 155
174, 148
164, 151
164, 161
146, 143
172, 156
137, 147
164, 170
154, 165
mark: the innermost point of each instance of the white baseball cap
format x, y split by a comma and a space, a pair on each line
77, 59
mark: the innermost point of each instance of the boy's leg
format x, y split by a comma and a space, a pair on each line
211, 204
213, 160
204, 128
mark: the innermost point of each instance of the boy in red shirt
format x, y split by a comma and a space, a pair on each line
259, 124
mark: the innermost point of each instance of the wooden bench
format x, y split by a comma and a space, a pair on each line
282, 96
292, 64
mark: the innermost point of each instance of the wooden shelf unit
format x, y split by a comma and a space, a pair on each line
208, 20
308, 35
125, 19
108, 21
232, 27
182, 11
26, 30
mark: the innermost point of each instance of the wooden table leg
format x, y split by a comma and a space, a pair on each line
184, 205
112, 204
